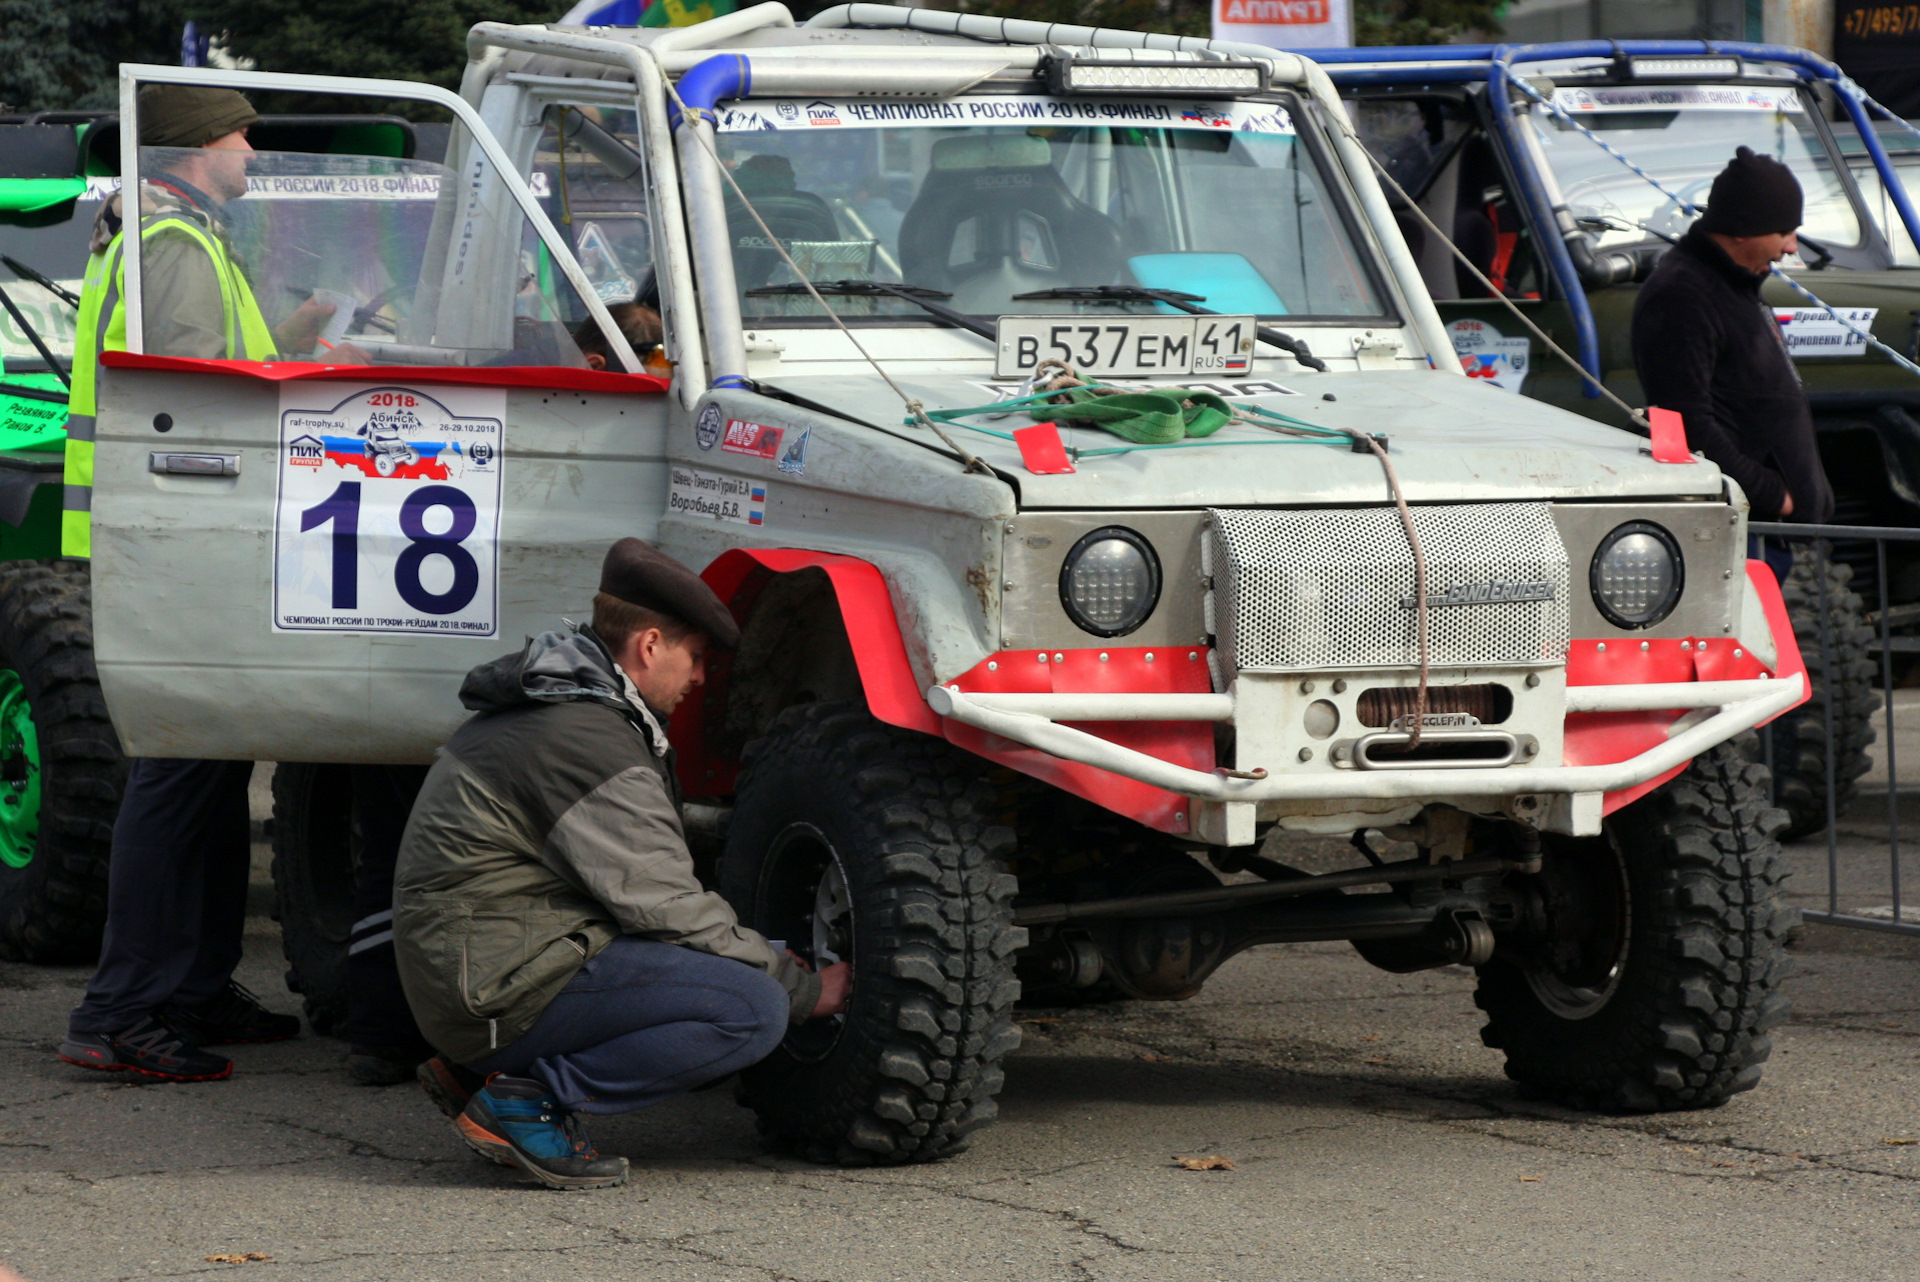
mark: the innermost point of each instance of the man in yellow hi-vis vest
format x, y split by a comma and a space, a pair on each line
177, 884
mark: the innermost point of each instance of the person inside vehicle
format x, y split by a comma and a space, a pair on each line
177, 884
638, 322
1706, 345
553, 938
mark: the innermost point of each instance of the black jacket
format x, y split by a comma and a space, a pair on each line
1706, 346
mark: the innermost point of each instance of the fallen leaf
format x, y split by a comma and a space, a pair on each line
1374, 1061
1154, 1059
1897, 1142
1685, 1149
1047, 1020
1723, 1163
249, 1258
1529, 1179
1369, 1039
1212, 1163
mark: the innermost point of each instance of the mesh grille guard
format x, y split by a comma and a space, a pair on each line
1332, 589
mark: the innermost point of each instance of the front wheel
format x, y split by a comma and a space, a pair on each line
1656, 979
855, 840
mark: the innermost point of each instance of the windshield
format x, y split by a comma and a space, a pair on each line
416, 266
1683, 136
57, 249
986, 198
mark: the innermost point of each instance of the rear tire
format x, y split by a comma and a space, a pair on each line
61, 772
1657, 984
315, 848
1800, 737
906, 822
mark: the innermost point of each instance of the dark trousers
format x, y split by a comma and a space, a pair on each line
646, 1021
1775, 552
377, 1012
176, 891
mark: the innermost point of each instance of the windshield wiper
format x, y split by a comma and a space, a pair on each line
1174, 298
53, 287
918, 295
33, 336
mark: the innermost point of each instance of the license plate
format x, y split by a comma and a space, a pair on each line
1126, 347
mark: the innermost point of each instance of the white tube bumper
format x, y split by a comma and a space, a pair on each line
1032, 720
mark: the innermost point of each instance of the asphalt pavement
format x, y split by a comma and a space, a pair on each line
1369, 1132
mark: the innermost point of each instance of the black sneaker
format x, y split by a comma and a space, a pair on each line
381, 1065
148, 1049
231, 1015
447, 1084
517, 1121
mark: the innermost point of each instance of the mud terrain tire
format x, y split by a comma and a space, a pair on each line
1800, 737
53, 906
908, 821
1682, 1020
314, 850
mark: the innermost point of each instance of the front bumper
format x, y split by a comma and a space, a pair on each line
1033, 720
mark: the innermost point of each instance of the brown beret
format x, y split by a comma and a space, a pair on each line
641, 575
190, 115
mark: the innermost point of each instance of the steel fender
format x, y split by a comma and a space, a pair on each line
866, 607
1601, 738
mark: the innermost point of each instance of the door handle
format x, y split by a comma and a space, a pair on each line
193, 464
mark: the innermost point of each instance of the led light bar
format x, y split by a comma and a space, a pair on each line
1683, 68
1169, 79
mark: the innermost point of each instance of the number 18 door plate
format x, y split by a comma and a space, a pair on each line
1126, 346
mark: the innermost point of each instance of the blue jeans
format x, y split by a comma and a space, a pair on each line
646, 1021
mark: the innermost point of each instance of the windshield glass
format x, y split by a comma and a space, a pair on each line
986, 198
56, 247
1683, 135
408, 264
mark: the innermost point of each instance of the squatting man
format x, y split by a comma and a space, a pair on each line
553, 939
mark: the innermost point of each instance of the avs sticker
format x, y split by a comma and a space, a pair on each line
1488, 355
706, 429
794, 461
387, 515
715, 496
1813, 331
755, 440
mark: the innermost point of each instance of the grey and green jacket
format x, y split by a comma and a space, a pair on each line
548, 827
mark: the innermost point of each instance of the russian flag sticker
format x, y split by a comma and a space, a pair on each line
757, 514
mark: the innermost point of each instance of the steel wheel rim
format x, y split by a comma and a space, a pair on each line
20, 775
1571, 999
804, 891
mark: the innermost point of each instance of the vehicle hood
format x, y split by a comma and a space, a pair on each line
1450, 439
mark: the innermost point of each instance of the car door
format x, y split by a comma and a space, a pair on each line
299, 557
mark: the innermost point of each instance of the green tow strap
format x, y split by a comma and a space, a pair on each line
1148, 419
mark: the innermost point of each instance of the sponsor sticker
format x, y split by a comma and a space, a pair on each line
794, 461
715, 496
755, 440
706, 429
1813, 331
760, 115
1577, 102
387, 515
1488, 355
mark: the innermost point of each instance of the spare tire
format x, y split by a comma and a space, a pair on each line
61, 772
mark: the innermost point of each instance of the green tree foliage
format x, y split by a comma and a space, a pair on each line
58, 55
1423, 22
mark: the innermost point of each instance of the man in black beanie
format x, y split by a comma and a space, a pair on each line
1707, 346
551, 933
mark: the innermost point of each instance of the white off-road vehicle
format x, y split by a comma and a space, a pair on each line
1011, 697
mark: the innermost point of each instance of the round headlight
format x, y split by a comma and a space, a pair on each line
1110, 582
1638, 574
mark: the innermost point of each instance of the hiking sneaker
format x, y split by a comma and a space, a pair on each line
231, 1015
447, 1084
516, 1121
148, 1049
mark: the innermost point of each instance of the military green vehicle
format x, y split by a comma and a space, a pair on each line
1497, 146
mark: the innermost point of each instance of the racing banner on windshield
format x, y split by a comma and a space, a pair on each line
800, 115
1285, 24
388, 509
1576, 102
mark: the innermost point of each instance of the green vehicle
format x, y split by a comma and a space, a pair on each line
61, 768
1497, 147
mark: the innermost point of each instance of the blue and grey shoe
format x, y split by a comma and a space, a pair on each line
516, 1121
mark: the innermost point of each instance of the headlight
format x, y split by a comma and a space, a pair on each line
1110, 582
1638, 574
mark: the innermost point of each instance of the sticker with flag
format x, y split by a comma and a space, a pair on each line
644, 13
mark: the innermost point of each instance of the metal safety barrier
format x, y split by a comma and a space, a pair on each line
1849, 544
